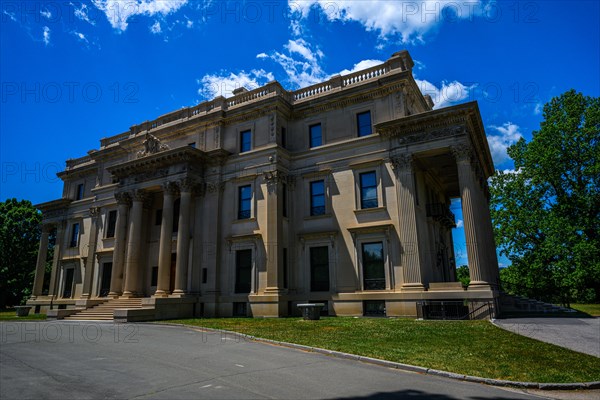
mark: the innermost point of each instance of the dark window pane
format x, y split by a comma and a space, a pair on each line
245, 141
283, 137
75, 235
112, 222
176, 207
245, 202
368, 190
363, 122
315, 136
373, 268
158, 218
284, 210
319, 269
317, 198
154, 277
374, 308
80, 189
243, 271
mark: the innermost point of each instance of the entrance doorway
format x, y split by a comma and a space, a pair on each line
68, 288
105, 279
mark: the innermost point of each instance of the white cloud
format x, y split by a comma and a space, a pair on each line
80, 36
156, 28
539, 107
448, 94
364, 64
83, 13
10, 15
213, 85
118, 12
46, 35
301, 63
506, 135
46, 14
189, 24
460, 223
408, 21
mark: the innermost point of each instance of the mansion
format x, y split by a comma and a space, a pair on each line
337, 193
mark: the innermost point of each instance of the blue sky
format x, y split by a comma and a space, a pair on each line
74, 72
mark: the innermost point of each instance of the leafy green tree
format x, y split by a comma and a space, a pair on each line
19, 243
462, 275
547, 212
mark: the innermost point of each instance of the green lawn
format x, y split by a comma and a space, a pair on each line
11, 315
591, 309
466, 347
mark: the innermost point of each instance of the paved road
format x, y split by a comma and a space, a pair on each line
579, 334
64, 360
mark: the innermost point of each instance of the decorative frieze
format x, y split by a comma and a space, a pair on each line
152, 145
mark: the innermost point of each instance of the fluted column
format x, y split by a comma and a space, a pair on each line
471, 209
183, 237
134, 245
60, 233
40, 268
116, 278
89, 262
166, 235
409, 236
274, 232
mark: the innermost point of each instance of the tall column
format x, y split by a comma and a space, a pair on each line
211, 243
40, 267
90, 262
409, 236
274, 232
134, 245
183, 237
166, 235
471, 208
116, 278
60, 233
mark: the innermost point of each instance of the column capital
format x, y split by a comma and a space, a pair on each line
123, 198
187, 185
94, 212
139, 195
273, 179
402, 162
170, 188
462, 153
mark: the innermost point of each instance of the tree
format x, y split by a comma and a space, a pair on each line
546, 212
462, 275
19, 243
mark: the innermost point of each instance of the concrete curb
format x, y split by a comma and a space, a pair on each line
404, 367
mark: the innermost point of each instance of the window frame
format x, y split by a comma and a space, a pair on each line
312, 196
363, 188
111, 225
236, 251
358, 125
312, 283
240, 202
376, 166
74, 241
374, 237
243, 142
311, 144
80, 191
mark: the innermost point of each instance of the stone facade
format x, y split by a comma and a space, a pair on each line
337, 193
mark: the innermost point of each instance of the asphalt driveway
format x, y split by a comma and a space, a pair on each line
579, 334
60, 360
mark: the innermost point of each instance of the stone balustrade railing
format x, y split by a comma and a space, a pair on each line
76, 162
399, 62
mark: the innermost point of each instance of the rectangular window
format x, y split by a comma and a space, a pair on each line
158, 217
75, 234
363, 123
368, 190
245, 202
154, 277
80, 190
315, 136
243, 271
204, 275
374, 308
319, 269
284, 210
373, 268
245, 141
112, 222
283, 137
317, 198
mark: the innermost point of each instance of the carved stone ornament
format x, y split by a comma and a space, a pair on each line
462, 152
123, 198
402, 162
139, 195
170, 188
152, 145
94, 212
187, 184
